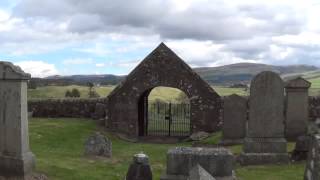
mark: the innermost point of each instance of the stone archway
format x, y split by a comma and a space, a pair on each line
162, 67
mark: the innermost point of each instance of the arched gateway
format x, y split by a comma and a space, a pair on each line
127, 108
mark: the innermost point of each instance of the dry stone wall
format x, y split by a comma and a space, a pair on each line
86, 108
75, 108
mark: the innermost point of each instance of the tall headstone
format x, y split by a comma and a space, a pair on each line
234, 119
16, 159
312, 170
297, 108
265, 142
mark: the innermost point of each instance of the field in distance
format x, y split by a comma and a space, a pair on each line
159, 93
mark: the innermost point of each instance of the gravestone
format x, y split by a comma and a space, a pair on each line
297, 108
218, 162
198, 173
98, 145
16, 159
234, 119
301, 149
140, 168
265, 142
312, 170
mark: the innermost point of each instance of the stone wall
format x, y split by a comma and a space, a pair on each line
86, 108
76, 108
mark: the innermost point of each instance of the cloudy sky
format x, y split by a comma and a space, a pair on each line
48, 37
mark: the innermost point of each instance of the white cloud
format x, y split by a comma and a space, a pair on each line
38, 68
100, 65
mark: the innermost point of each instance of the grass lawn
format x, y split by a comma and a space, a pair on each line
60, 91
58, 145
160, 93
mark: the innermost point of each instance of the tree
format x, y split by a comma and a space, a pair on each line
68, 94
75, 92
92, 93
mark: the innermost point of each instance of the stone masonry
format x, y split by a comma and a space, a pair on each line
125, 113
16, 159
265, 142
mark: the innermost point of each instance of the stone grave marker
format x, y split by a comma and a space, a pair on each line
234, 119
218, 162
98, 145
297, 108
140, 168
16, 159
265, 142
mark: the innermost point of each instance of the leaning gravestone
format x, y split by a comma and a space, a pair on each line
98, 145
265, 142
234, 119
140, 168
297, 108
16, 159
312, 171
218, 162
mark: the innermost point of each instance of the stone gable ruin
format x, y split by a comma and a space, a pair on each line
127, 108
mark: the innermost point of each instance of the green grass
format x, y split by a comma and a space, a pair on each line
58, 145
59, 91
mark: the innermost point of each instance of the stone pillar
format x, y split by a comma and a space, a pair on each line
16, 159
297, 108
234, 119
265, 142
140, 168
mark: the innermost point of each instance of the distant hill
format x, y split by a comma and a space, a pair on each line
223, 75
243, 72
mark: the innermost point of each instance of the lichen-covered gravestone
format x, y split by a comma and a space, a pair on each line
265, 142
312, 171
98, 145
218, 162
297, 104
234, 119
16, 159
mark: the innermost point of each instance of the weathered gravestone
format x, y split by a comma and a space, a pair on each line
297, 108
140, 168
234, 119
265, 142
98, 145
16, 159
218, 162
312, 171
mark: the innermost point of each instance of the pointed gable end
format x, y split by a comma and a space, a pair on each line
162, 67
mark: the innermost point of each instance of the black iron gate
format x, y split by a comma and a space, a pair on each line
168, 119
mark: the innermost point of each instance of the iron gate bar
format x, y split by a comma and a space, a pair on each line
168, 119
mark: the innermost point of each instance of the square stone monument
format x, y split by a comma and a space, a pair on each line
265, 142
234, 120
16, 159
297, 104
